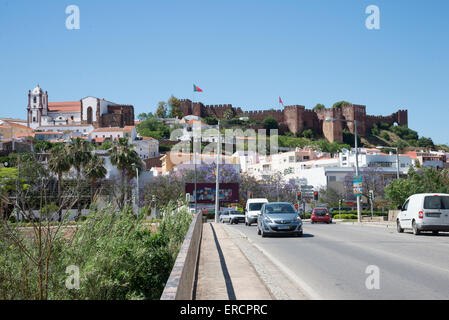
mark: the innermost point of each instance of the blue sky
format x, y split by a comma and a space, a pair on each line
246, 53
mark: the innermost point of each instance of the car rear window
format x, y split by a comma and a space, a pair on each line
320, 212
255, 206
280, 208
436, 202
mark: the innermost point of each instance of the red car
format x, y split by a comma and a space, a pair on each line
320, 215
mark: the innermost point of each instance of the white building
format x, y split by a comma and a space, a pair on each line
89, 112
146, 147
328, 172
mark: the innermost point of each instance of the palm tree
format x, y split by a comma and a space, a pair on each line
80, 153
123, 155
59, 163
94, 171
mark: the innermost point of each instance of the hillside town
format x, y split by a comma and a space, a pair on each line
101, 122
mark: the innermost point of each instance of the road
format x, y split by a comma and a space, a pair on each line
330, 261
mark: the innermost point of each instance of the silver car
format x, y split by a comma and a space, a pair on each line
279, 218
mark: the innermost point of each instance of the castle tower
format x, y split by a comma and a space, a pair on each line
37, 107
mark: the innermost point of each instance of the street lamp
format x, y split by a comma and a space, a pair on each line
136, 198
359, 213
397, 157
217, 185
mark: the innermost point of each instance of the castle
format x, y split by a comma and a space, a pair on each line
88, 112
297, 118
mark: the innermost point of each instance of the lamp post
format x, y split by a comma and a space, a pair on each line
217, 177
397, 158
359, 212
136, 198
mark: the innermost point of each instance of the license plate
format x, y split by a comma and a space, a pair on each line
433, 215
284, 227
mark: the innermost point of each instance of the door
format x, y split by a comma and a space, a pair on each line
437, 209
405, 215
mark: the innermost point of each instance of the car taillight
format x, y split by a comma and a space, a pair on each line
421, 214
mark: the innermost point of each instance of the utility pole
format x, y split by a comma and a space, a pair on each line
217, 184
359, 213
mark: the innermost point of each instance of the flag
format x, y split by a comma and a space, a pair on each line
280, 101
196, 89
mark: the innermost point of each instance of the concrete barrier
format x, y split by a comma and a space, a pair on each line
181, 282
393, 214
375, 218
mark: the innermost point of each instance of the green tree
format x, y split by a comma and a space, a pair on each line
308, 134
144, 116
228, 114
319, 107
42, 146
340, 104
175, 107
270, 123
80, 154
94, 171
161, 111
428, 180
59, 163
153, 128
123, 155
424, 142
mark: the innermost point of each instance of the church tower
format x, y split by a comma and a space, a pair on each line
37, 107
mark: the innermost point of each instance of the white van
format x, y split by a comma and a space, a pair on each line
252, 210
424, 212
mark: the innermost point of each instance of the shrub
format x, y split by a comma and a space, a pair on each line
385, 135
117, 255
345, 216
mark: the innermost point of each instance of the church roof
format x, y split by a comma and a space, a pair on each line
65, 106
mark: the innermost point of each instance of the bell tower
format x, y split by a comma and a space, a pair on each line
37, 107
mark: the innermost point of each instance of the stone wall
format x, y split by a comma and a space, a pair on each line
297, 119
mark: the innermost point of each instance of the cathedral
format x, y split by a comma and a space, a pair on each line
89, 112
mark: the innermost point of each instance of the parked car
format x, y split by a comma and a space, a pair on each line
252, 210
279, 218
236, 216
424, 212
224, 216
320, 215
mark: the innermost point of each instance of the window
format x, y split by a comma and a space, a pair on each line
436, 202
332, 178
405, 206
306, 158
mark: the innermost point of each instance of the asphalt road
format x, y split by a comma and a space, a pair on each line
330, 261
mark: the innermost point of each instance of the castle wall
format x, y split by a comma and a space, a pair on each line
297, 119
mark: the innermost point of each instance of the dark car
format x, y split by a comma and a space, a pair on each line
320, 215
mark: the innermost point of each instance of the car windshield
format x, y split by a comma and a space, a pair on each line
436, 202
320, 212
255, 206
277, 208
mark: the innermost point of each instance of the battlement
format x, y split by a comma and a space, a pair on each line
297, 118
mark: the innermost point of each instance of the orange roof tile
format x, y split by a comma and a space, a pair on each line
111, 129
47, 132
66, 106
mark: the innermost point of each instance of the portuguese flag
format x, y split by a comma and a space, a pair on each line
196, 89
